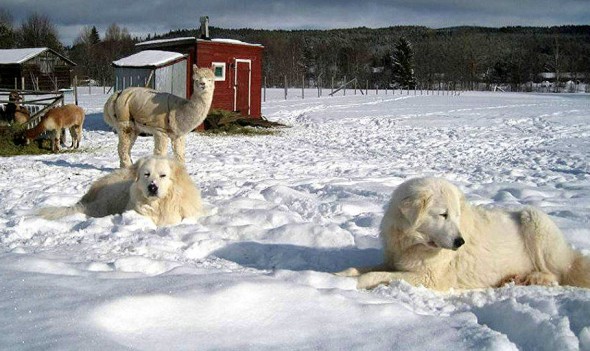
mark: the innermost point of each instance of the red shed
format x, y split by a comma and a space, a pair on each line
237, 66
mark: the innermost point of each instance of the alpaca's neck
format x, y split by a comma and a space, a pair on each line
194, 113
33, 133
201, 96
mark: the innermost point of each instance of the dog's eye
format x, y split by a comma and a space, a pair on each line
445, 215
162, 176
147, 174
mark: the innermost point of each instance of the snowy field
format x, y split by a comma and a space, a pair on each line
284, 211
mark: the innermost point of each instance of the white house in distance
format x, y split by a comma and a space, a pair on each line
161, 70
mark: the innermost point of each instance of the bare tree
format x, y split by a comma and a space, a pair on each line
38, 31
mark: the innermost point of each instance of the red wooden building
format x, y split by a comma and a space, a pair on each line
237, 66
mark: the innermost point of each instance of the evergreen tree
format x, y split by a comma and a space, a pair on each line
402, 64
94, 37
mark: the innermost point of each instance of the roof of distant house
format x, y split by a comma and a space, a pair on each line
19, 56
149, 58
187, 40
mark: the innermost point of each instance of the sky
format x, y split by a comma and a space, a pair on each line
141, 17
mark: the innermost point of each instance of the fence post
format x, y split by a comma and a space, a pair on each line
345, 85
264, 91
303, 87
332, 91
285, 87
367, 88
76, 90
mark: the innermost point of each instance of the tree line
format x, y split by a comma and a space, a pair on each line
465, 55
462, 55
92, 54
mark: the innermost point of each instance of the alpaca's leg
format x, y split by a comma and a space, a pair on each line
127, 137
160, 143
62, 140
74, 136
56, 140
178, 148
78, 135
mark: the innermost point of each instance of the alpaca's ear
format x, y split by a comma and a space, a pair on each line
414, 207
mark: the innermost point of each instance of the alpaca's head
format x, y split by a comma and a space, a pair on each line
203, 80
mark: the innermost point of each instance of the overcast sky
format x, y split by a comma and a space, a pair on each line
160, 16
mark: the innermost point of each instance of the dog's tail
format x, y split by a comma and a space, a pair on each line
579, 272
57, 212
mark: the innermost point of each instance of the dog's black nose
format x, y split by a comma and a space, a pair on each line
152, 189
457, 243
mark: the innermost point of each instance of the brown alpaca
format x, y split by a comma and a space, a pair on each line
55, 121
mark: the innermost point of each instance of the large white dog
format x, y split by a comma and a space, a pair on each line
433, 237
165, 116
156, 187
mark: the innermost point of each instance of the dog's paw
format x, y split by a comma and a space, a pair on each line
540, 278
533, 278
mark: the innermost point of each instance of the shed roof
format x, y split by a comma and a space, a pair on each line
20, 56
190, 40
181, 40
149, 58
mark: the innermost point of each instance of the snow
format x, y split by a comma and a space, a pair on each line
162, 41
152, 58
14, 56
232, 41
285, 211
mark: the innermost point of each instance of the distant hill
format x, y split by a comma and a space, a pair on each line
465, 54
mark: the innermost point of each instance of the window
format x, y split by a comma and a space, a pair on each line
219, 70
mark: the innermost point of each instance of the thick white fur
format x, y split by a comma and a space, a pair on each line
424, 226
165, 116
176, 196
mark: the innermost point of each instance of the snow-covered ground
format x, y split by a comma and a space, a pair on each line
284, 211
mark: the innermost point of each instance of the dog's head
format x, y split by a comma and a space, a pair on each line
154, 176
203, 79
431, 210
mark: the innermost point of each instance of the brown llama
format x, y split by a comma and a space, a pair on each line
57, 120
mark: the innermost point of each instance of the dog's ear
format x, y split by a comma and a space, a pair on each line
413, 207
195, 67
134, 168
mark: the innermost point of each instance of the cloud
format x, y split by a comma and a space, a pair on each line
159, 16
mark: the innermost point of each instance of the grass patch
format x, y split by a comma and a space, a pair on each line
223, 122
239, 130
9, 148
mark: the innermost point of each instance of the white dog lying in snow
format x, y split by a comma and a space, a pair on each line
433, 237
156, 187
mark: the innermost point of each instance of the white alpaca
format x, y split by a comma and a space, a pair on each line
165, 116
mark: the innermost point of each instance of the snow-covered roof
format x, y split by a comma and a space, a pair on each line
188, 39
17, 56
233, 41
148, 58
165, 41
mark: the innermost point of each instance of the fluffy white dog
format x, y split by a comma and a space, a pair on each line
156, 187
433, 237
